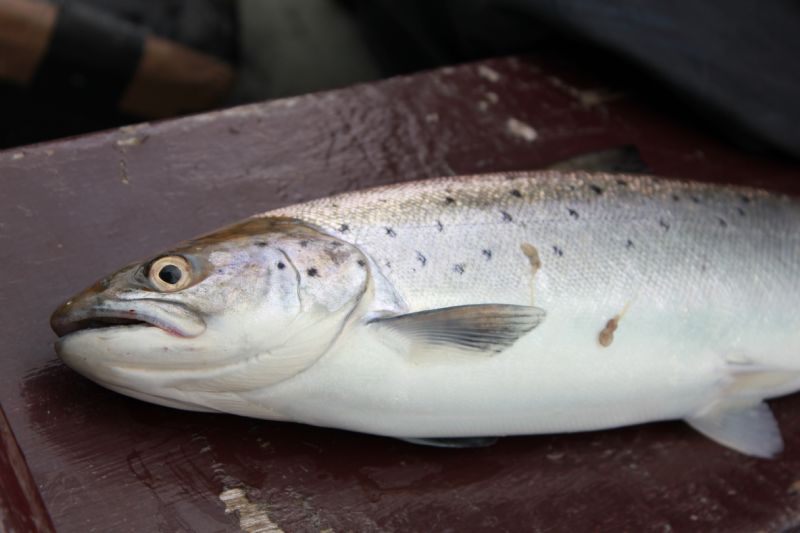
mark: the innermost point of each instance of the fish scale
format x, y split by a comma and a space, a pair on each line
589, 248
475, 306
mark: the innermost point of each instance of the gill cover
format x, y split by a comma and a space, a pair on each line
316, 283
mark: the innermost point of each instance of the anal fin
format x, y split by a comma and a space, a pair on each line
457, 442
749, 428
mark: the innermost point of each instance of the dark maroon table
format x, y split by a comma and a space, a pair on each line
73, 210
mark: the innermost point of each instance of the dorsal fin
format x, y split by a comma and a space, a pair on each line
625, 159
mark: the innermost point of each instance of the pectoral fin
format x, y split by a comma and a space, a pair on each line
750, 428
478, 328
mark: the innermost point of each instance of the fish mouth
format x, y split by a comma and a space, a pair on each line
173, 318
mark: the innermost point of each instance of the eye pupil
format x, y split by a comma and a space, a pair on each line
170, 274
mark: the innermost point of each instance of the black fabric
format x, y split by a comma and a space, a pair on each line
733, 62
91, 57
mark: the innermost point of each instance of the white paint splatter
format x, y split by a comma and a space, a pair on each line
18, 155
492, 97
488, 73
430, 118
253, 517
521, 130
587, 98
130, 141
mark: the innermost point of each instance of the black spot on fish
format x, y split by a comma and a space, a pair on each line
722, 222
744, 199
598, 190
487, 253
574, 214
558, 251
695, 199
664, 224
740, 211
312, 272
388, 264
622, 183
335, 205
676, 198
506, 217
516, 193
439, 225
459, 268
261, 244
303, 244
281, 266
422, 259
344, 228
390, 232
449, 200
629, 244
361, 263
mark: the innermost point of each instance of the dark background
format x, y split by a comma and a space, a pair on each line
730, 65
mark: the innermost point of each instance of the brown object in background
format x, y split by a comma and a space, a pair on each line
25, 29
74, 210
172, 79
75, 52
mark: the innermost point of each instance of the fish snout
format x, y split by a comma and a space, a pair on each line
71, 315
94, 308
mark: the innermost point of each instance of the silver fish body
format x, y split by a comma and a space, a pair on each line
488, 305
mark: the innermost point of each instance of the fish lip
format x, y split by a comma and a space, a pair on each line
171, 317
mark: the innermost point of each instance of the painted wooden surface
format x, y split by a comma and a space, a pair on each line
73, 210
21, 506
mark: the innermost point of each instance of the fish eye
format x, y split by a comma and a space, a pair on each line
170, 274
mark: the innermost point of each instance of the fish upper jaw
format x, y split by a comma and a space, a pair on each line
88, 311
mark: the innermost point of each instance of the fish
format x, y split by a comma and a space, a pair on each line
456, 310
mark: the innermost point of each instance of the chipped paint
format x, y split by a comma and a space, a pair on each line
519, 129
253, 517
131, 141
123, 172
488, 73
587, 98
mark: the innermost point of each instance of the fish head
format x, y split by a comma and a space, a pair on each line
236, 310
